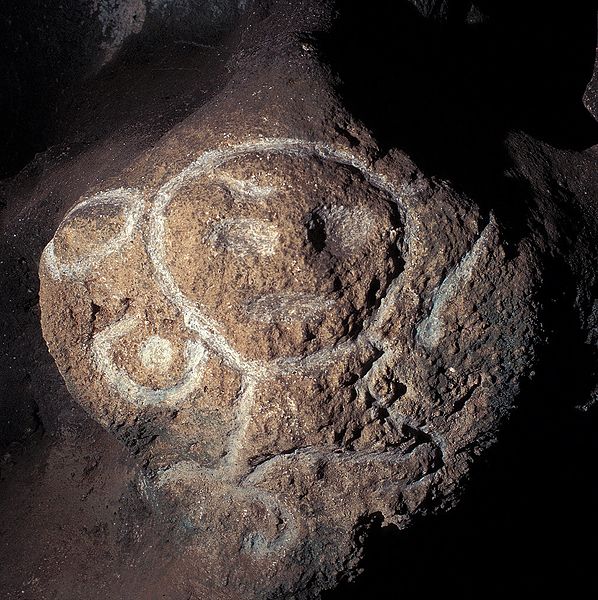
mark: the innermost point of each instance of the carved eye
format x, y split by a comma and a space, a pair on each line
340, 228
245, 189
95, 228
244, 236
152, 381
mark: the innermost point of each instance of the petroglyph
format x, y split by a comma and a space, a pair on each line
344, 229
281, 261
129, 201
244, 236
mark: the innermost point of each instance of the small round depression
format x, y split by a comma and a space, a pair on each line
156, 354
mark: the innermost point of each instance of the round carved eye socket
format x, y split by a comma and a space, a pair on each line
92, 230
342, 230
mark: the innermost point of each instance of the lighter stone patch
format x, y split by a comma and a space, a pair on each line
244, 236
156, 354
288, 307
119, 20
347, 227
242, 189
431, 330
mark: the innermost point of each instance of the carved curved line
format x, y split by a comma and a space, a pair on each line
194, 316
132, 201
336, 455
430, 329
256, 543
292, 365
129, 389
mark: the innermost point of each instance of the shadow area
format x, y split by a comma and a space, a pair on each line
527, 521
447, 91
51, 53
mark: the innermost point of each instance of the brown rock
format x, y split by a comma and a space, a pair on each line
297, 335
294, 341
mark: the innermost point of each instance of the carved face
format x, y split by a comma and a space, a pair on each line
285, 254
282, 332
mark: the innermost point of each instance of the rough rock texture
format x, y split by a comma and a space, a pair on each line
281, 332
301, 339
47, 48
590, 97
297, 336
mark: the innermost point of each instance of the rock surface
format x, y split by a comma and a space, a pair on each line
300, 338
590, 97
297, 336
293, 343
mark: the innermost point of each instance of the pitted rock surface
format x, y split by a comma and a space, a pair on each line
295, 341
305, 346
